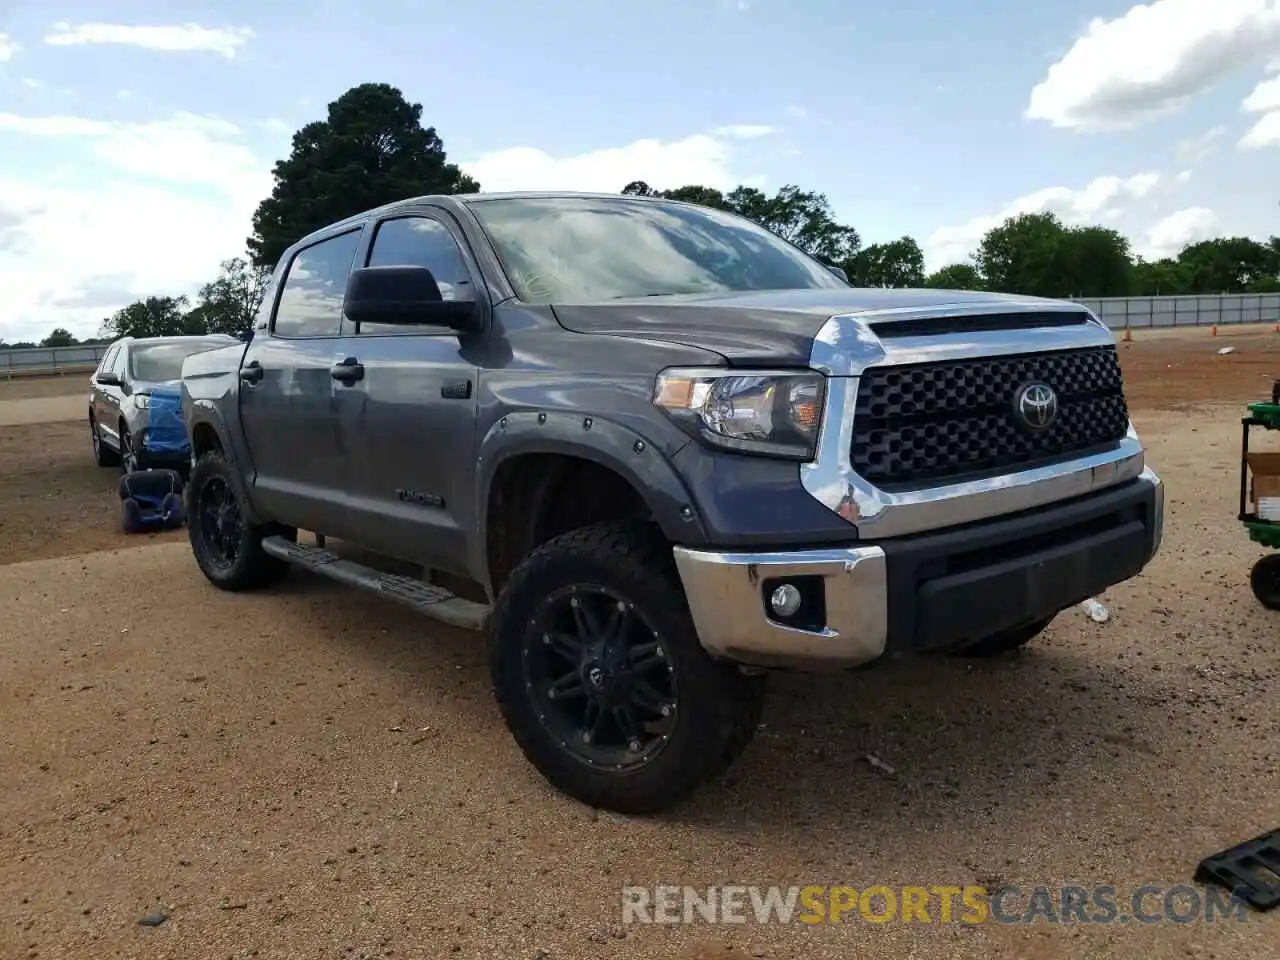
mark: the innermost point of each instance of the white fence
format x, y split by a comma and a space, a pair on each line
1205, 311
38, 361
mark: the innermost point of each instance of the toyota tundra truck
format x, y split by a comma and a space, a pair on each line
653, 453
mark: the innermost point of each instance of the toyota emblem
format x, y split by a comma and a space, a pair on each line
1036, 406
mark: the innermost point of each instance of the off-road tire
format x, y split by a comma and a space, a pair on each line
718, 707
253, 567
1005, 641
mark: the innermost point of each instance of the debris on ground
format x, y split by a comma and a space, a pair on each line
1225, 350
877, 764
1096, 611
153, 919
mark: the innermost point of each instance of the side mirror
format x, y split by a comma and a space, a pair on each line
404, 295
108, 379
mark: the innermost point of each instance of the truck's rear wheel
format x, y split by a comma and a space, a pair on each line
600, 676
227, 548
1006, 640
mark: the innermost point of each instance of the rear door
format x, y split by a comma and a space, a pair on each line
408, 423
288, 408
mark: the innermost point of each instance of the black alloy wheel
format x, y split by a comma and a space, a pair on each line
221, 525
601, 681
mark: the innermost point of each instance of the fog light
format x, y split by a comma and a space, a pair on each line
785, 600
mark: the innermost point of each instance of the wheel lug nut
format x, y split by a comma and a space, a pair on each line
546, 638
635, 746
551, 694
622, 607
573, 601
666, 709
586, 736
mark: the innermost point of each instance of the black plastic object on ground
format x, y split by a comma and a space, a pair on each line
151, 500
1250, 869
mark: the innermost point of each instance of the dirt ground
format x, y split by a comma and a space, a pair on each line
311, 772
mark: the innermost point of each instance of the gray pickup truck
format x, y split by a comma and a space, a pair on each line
657, 452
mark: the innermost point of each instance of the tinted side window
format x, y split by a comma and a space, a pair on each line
314, 287
419, 242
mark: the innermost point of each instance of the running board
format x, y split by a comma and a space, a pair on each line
435, 602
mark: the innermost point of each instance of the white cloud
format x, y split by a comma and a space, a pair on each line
1196, 150
185, 149
1152, 60
30, 83
743, 131
177, 38
7, 48
1265, 99
1103, 199
706, 159
1168, 236
1264, 133
159, 204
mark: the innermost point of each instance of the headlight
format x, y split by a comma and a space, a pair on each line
773, 413
142, 401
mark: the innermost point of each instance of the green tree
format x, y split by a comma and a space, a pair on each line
230, 303
1096, 262
898, 263
60, 337
802, 217
152, 317
704, 196
1159, 278
1024, 255
956, 276
371, 150
1229, 264
195, 322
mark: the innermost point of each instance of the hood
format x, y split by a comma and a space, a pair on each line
756, 328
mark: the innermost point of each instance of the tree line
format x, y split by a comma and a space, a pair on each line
372, 149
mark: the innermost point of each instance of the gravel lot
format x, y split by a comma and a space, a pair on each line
313, 773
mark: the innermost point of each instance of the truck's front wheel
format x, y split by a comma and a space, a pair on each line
600, 676
227, 548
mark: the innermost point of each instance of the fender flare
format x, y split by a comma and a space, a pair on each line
207, 413
601, 441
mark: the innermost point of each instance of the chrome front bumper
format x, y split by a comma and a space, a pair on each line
727, 596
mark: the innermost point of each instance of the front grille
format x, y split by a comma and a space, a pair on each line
930, 422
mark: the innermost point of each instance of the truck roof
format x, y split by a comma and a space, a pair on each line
470, 198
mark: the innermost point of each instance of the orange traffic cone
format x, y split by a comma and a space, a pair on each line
1215, 330
1128, 335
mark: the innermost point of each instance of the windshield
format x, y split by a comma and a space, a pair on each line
581, 250
158, 362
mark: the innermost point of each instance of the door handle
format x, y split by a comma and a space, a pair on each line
251, 372
347, 371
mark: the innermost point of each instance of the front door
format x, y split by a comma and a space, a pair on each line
288, 406
408, 423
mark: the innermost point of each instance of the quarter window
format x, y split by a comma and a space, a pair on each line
314, 288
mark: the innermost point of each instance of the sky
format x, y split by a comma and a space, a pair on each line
136, 138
